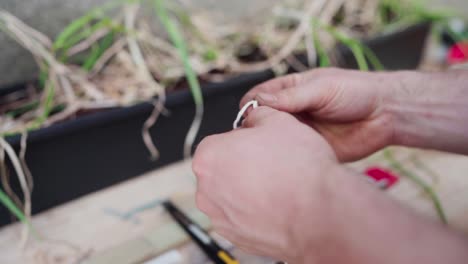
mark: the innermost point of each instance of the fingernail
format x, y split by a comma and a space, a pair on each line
266, 98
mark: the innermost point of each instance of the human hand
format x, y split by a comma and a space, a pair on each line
346, 107
275, 188
254, 181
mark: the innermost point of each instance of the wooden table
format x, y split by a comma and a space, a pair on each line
124, 224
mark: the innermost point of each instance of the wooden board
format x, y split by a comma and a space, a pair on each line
124, 224
90, 226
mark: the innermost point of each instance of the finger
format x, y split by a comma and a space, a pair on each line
258, 116
310, 96
271, 86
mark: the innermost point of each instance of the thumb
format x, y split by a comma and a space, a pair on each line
293, 100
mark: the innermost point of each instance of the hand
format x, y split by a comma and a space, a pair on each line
274, 188
345, 106
254, 181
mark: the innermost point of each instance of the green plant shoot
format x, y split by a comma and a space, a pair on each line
418, 181
176, 38
97, 51
353, 45
10, 205
324, 60
78, 24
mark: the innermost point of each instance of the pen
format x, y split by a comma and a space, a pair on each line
215, 252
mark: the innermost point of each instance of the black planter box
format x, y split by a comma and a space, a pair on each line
80, 156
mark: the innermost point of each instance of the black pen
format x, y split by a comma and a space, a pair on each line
216, 253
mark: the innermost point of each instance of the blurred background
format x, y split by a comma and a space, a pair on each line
51, 16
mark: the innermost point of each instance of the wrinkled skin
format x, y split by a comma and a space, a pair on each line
275, 187
345, 110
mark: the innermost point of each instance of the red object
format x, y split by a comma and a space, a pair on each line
458, 53
384, 178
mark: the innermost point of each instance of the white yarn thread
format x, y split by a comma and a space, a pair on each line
241, 113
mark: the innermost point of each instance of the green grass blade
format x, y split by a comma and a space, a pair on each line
372, 58
324, 59
23, 109
72, 29
85, 33
358, 55
93, 56
10, 205
177, 39
48, 107
97, 51
48, 104
353, 45
179, 43
78, 24
43, 76
418, 181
